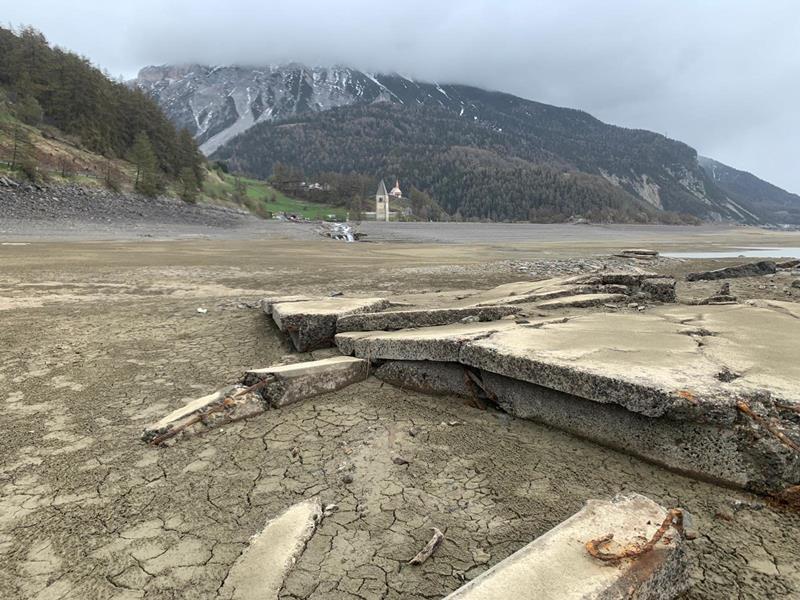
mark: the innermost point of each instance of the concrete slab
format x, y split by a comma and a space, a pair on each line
557, 566
392, 320
291, 383
685, 369
720, 453
686, 362
430, 343
581, 301
258, 574
311, 324
269, 302
223, 406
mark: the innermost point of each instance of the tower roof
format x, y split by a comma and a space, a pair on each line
381, 189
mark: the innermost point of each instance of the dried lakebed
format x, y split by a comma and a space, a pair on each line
89, 511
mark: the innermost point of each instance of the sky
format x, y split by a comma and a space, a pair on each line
720, 75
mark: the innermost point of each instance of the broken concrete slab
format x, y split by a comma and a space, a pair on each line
287, 384
259, 573
557, 566
269, 302
427, 377
441, 343
668, 361
311, 324
693, 367
581, 301
720, 453
764, 267
228, 404
423, 317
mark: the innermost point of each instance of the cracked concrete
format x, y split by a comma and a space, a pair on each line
88, 511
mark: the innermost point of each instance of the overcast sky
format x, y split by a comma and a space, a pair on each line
721, 75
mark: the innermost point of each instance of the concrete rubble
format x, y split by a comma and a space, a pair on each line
260, 571
311, 323
557, 566
258, 391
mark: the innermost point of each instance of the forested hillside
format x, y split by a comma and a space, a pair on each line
47, 87
472, 172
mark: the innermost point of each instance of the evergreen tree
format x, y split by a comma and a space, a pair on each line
188, 185
143, 157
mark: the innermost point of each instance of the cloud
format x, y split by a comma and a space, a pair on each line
721, 75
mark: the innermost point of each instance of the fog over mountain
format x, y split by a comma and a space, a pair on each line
722, 76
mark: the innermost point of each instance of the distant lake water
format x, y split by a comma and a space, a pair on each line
743, 253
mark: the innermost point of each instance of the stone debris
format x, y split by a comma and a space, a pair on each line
287, 384
260, 571
557, 566
764, 267
672, 373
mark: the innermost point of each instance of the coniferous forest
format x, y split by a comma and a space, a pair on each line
49, 86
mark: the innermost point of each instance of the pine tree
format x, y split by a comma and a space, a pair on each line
142, 155
188, 185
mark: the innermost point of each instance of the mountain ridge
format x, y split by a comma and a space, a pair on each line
228, 107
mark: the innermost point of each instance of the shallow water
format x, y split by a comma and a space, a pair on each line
741, 253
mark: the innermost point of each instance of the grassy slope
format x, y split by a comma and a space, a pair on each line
262, 198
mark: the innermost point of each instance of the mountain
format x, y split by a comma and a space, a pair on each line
768, 201
480, 154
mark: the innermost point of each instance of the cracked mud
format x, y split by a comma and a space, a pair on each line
99, 340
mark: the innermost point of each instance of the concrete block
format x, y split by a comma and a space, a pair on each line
392, 320
223, 406
557, 566
259, 573
311, 324
291, 383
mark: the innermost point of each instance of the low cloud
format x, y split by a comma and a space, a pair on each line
721, 75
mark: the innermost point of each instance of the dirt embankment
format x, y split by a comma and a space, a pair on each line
26, 201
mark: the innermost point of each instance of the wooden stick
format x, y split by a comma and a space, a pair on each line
429, 548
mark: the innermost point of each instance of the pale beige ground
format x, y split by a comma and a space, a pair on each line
98, 339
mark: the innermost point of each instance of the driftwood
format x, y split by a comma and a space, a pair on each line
429, 548
224, 404
674, 519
